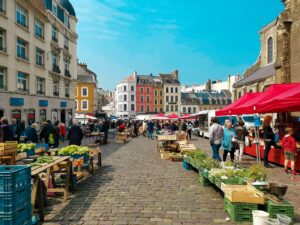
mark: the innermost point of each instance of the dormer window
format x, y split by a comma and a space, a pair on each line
270, 50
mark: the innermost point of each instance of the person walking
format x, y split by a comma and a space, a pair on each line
189, 131
45, 131
215, 138
227, 141
150, 127
268, 136
7, 134
289, 146
241, 133
56, 134
75, 134
14, 128
62, 132
31, 133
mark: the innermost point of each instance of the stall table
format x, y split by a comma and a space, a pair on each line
61, 164
163, 140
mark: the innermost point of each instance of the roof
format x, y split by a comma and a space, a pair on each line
64, 3
258, 75
132, 77
220, 98
168, 79
85, 75
145, 79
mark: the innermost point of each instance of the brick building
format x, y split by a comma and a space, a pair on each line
144, 94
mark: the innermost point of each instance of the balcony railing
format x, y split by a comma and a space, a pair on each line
67, 73
55, 93
40, 92
56, 69
2, 49
40, 64
3, 11
23, 90
67, 95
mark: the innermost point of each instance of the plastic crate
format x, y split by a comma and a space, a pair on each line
22, 217
203, 172
204, 181
211, 179
285, 208
240, 217
30, 152
239, 208
13, 202
14, 178
186, 165
86, 158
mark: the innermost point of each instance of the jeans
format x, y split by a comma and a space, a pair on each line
231, 155
240, 151
150, 134
215, 149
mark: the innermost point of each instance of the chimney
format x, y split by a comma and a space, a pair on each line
175, 74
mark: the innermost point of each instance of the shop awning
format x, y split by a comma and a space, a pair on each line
173, 116
228, 109
287, 101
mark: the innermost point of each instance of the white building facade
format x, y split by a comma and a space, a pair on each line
126, 97
38, 58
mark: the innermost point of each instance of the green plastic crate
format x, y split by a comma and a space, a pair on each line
239, 212
204, 181
285, 208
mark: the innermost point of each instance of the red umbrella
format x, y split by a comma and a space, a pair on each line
173, 116
160, 115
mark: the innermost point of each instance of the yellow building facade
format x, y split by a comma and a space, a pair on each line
158, 96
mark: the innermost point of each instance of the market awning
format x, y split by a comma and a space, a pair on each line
173, 116
228, 109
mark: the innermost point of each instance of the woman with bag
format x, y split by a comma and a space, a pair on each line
269, 139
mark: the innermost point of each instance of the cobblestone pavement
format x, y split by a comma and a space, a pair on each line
135, 186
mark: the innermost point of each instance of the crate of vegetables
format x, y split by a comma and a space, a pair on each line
75, 152
29, 149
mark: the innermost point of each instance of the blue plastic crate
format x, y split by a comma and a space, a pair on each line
14, 178
186, 165
30, 152
13, 202
22, 217
86, 158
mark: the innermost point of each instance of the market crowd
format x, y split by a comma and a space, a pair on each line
231, 139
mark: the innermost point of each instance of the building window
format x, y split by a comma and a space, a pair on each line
54, 8
125, 98
172, 98
176, 98
167, 108
84, 105
23, 83
54, 59
148, 91
155, 93
194, 110
176, 90
132, 98
270, 50
161, 109
172, 108
132, 107
67, 90
155, 101
2, 78
132, 88
66, 22
66, 43
76, 104
155, 109
160, 101
142, 108
39, 28
84, 91
176, 108
148, 99
171, 90
167, 90
142, 90
22, 49
39, 57
54, 34
189, 110
21, 16
40, 86
184, 110
148, 108
55, 88
125, 107
167, 98
161, 93
2, 40
125, 88
142, 98
2, 7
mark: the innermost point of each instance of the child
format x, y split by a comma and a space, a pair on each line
290, 150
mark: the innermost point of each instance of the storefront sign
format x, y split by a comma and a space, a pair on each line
16, 101
63, 104
43, 103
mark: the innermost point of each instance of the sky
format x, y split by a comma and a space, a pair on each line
202, 39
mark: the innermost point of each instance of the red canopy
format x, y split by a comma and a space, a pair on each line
160, 115
173, 116
228, 109
286, 101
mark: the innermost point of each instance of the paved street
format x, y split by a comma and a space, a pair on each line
135, 186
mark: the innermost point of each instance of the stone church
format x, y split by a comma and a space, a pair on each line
279, 59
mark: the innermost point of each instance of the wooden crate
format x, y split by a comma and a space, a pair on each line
243, 193
8, 148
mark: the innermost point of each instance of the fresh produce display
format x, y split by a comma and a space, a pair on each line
256, 172
210, 163
25, 147
42, 160
73, 150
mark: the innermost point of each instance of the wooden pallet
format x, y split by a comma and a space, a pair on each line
243, 193
8, 148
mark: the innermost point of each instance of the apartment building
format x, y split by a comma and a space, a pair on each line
38, 60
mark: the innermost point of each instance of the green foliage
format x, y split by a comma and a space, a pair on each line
256, 172
25, 147
73, 150
42, 160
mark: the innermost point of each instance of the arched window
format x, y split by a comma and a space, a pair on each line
270, 50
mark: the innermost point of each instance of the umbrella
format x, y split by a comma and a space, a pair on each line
173, 116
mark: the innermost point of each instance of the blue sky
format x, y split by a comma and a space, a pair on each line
202, 39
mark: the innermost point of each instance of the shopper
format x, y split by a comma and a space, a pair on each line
62, 132
228, 140
45, 131
31, 133
189, 131
215, 138
75, 134
7, 134
122, 127
150, 127
14, 128
241, 133
289, 146
268, 136
56, 134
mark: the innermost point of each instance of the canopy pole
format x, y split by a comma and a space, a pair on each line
257, 143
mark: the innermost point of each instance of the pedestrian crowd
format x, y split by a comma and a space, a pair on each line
231, 139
